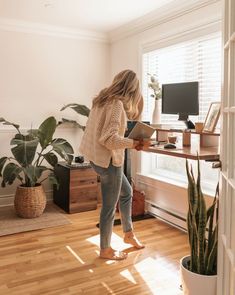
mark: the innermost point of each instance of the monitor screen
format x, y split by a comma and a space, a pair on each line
180, 98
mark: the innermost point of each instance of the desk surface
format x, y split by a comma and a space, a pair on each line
192, 131
205, 153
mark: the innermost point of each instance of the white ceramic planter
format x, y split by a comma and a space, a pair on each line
195, 284
156, 117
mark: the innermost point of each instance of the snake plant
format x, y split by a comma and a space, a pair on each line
202, 224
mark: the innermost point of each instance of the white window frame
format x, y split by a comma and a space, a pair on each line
144, 161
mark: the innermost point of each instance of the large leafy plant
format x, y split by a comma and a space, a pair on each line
79, 109
31, 151
202, 227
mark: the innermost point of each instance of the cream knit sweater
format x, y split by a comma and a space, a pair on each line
103, 138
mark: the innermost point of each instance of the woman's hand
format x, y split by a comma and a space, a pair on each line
141, 144
137, 145
145, 143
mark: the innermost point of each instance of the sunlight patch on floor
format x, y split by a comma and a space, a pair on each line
94, 240
158, 275
110, 262
107, 288
75, 254
116, 242
127, 275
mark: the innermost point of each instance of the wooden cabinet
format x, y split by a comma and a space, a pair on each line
78, 188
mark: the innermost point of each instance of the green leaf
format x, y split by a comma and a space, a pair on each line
202, 232
51, 159
192, 191
27, 137
72, 122
46, 131
25, 149
2, 163
33, 173
10, 173
79, 108
34, 133
2, 120
63, 148
212, 259
63, 144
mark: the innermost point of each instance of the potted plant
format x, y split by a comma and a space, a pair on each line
78, 108
199, 269
30, 152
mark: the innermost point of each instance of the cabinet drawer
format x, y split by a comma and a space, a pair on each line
82, 200
83, 177
82, 182
83, 173
81, 195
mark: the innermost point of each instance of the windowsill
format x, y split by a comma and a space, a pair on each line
177, 182
164, 179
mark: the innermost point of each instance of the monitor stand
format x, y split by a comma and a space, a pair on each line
189, 124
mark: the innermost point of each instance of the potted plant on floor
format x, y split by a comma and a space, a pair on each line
199, 269
30, 153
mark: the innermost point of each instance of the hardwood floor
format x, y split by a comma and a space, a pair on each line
64, 260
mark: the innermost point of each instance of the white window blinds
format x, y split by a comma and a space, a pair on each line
196, 60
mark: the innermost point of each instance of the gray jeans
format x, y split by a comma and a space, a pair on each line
114, 187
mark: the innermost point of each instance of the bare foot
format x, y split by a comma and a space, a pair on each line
109, 253
130, 238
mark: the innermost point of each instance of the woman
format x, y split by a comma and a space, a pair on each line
103, 143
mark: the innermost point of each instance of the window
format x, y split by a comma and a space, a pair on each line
195, 60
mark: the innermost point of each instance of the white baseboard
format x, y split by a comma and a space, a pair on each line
165, 200
166, 216
6, 200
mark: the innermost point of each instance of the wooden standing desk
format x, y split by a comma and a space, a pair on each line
206, 149
168, 201
170, 204
204, 153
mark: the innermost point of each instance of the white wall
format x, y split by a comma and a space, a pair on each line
39, 74
126, 52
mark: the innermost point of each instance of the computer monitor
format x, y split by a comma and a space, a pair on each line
182, 99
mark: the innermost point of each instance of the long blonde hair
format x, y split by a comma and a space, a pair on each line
125, 87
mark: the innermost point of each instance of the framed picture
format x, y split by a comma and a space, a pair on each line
212, 117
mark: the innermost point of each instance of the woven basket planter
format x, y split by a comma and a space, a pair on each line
30, 202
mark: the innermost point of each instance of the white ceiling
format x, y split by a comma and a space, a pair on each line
97, 15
